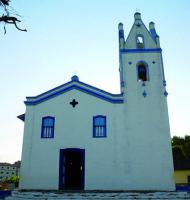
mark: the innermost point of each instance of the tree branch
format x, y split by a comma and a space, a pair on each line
5, 2
11, 20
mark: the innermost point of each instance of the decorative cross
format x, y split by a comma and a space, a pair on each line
73, 103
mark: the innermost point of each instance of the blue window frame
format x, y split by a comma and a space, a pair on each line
47, 130
99, 126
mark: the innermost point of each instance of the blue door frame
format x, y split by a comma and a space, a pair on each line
62, 164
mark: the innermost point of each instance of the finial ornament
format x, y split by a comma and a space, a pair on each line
120, 26
151, 25
137, 16
74, 78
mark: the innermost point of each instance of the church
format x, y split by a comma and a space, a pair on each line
79, 137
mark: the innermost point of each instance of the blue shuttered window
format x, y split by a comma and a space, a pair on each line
99, 126
47, 130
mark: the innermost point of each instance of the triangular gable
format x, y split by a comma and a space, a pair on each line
78, 85
139, 28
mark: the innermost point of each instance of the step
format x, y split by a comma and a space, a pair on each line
20, 195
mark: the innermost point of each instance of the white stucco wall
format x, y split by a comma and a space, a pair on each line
73, 129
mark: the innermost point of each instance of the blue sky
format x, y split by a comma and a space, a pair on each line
67, 37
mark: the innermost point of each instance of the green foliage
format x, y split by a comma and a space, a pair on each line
178, 152
13, 179
177, 141
181, 152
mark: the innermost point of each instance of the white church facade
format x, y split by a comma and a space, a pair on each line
77, 136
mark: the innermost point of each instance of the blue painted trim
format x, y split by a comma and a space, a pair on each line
164, 83
183, 188
5, 193
147, 69
144, 94
153, 33
94, 118
49, 91
163, 74
165, 93
42, 126
122, 83
95, 88
61, 164
141, 50
74, 82
121, 34
56, 93
140, 35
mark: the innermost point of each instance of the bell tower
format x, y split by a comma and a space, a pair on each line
143, 84
141, 48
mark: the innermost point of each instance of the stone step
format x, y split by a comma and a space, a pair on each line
19, 195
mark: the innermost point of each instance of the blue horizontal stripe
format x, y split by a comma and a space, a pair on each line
101, 96
70, 82
140, 50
